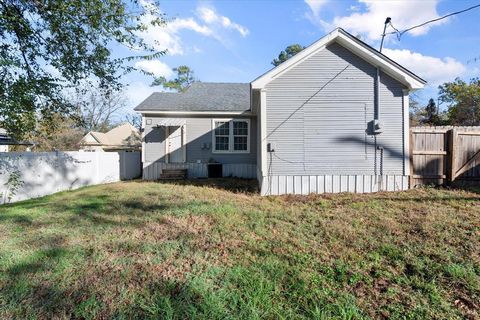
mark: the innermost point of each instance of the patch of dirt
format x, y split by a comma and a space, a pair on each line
171, 228
193, 233
467, 307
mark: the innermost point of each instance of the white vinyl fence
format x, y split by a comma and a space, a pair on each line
25, 175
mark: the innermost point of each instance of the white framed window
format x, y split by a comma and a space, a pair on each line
231, 135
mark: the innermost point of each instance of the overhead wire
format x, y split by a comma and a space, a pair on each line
401, 33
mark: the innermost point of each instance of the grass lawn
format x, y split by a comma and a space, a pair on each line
166, 250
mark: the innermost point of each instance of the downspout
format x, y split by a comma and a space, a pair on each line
376, 122
376, 95
376, 111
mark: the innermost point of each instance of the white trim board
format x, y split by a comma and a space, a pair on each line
231, 136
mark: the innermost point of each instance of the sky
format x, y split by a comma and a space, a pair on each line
235, 41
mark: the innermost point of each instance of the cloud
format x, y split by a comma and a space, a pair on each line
158, 68
369, 20
138, 91
435, 70
316, 5
210, 16
168, 36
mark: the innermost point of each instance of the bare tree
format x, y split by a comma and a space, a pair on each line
98, 108
134, 119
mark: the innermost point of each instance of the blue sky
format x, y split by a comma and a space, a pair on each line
235, 41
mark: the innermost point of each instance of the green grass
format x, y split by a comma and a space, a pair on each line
209, 250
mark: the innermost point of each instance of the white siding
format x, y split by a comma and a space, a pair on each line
277, 185
152, 171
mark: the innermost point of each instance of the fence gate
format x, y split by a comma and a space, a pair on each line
444, 155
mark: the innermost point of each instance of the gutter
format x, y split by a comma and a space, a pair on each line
197, 113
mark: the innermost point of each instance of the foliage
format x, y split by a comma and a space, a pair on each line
286, 54
415, 112
59, 132
134, 119
428, 115
463, 101
47, 46
194, 249
97, 108
13, 183
182, 81
431, 112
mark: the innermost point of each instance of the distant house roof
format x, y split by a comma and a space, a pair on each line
124, 135
6, 140
202, 97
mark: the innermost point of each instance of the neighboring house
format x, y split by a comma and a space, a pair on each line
123, 137
6, 141
3, 139
332, 118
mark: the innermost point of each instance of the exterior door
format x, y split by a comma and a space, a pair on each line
175, 145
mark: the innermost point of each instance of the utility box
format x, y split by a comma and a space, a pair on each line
375, 127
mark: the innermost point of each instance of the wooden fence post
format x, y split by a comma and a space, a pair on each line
411, 181
452, 163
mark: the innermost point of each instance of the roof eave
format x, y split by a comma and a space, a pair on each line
363, 50
206, 113
264, 79
376, 58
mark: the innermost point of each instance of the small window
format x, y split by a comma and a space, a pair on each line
222, 135
240, 135
231, 136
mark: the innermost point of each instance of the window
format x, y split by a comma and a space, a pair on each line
222, 135
240, 135
232, 135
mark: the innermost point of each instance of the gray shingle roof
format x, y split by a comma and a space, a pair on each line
201, 96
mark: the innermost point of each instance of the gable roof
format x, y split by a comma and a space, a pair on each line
118, 136
358, 47
202, 97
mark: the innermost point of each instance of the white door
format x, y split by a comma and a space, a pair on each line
175, 145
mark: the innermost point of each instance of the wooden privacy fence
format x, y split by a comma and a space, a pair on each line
444, 155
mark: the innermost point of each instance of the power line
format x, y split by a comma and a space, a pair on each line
397, 32
401, 33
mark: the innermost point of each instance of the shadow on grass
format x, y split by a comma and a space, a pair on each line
99, 210
20, 219
24, 290
235, 185
111, 212
143, 207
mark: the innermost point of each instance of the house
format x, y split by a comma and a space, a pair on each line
122, 137
3, 139
6, 140
333, 118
